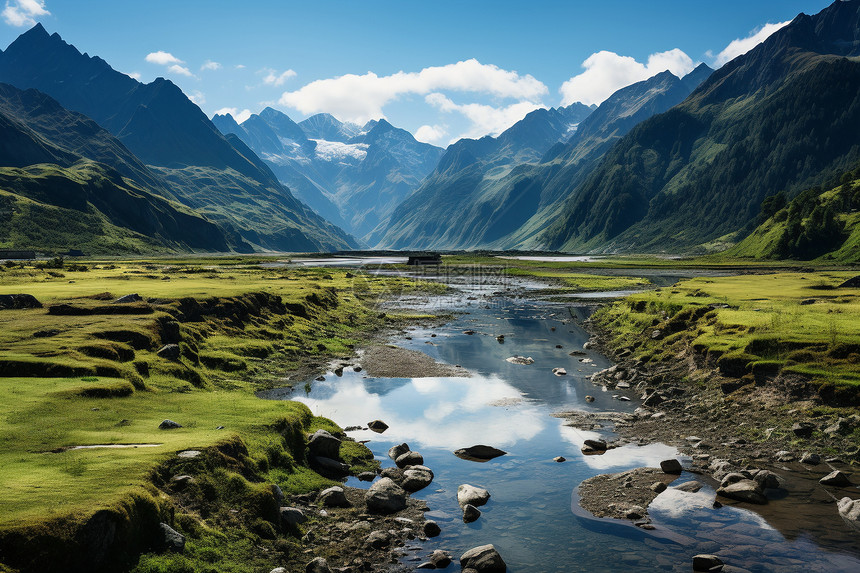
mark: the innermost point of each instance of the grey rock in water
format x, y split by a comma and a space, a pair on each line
317, 565
522, 360
470, 513
366, 476
168, 425
385, 496
470, 494
410, 458
479, 452
836, 478
333, 497
483, 559
671, 466
707, 563
377, 426
323, 444
559, 459
690, 486
767, 479
810, 459
396, 451
440, 558
849, 510
744, 490
431, 528
169, 352
416, 478
171, 539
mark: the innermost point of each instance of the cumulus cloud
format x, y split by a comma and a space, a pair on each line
485, 119
197, 97
180, 70
740, 46
240, 66
273, 78
210, 65
431, 133
238, 115
359, 98
24, 12
607, 72
163, 58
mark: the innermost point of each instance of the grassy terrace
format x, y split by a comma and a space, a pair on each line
84, 371
751, 325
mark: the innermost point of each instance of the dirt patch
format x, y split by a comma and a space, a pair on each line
383, 361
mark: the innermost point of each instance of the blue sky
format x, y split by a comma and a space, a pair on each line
440, 69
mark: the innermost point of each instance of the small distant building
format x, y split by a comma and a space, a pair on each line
425, 259
17, 255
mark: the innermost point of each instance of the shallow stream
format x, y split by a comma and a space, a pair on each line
533, 517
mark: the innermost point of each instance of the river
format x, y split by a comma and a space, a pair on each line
533, 517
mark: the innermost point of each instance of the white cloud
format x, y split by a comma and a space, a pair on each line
198, 97
431, 134
274, 79
740, 46
337, 151
240, 66
180, 70
361, 98
607, 72
134, 75
163, 58
24, 12
238, 115
210, 65
485, 119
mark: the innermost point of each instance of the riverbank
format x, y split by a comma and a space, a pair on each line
127, 406
741, 374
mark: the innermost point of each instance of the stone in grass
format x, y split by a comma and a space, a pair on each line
483, 559
134, 297
671, 466
171, 539
169, 352
470, 513
168, 425
317, 565
707, 563
322, 443
836, 479
292, 516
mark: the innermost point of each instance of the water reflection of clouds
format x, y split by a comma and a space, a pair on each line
698, 507
628, 456
447, 413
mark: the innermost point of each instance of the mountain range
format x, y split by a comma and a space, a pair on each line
782, 117
186, 155
352, 175
500, 192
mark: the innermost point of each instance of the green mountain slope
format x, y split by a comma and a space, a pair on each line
483, 195
162, 127
817, 224
51, 186
781, 117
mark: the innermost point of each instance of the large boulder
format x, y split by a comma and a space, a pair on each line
416, 477
318, 565
395, 452
333, 497
671, 466
377, 426
171, 539
470, 494
483, 559
744, 490
169, 352
479, 452
835, 478
470, 513
323, 444
410, 458
707, 563
18, 301
385, 496
849, 510
292, 516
